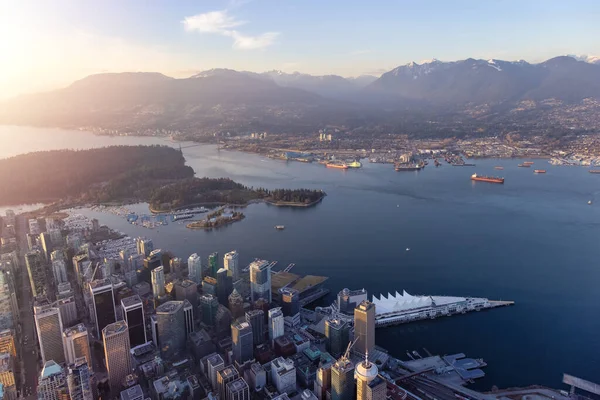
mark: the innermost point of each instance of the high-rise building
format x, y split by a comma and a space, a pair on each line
68, 310
153, 260
337, 332
209, 306
133, 314
231, 264
132, 393
10, 217
158, 282
47, 246
170, 319
37, 275
276, 323
348, 300
256, 377
104, 312
237, 390
213, 264
256, 319
209, 286
342, 380
55, 237
144, 246
214, 363
188, 316
116, 353
323, 381
59, 270
175, 267
290, 301
187, 290
236, 304
283, 375
223, 322
52, 383
77, 344
224, 286
154, 328
195, 268
34, 226
260, 280
364, 327
49, 331
78, 380
224, 376
241, 337
7, 342
368, 384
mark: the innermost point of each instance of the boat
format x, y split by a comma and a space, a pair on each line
594, 171
279, 227
338, 165
539, 171
354, 164
490, 179
179, 217
436, 163
590, 202
528, 162
499, 168
463, 164
524, 165
408, 167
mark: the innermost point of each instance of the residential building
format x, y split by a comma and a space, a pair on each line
195, 268
144, 246
175, 267
231, 264
276, 323
116, 353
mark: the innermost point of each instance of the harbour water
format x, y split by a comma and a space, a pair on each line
533, 240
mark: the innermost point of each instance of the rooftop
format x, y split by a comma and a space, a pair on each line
50, 368
79, 328
133, 392
100, 283
131, 301
115, 327
308, 282
282, 279
169, 307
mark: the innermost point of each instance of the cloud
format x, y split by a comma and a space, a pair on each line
221, 23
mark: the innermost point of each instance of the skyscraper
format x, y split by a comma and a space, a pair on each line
364, 327
224, 286
290, 301
103, 303
59, 270
144, 246
368, 385
283, 375
133, 313
224, 376
256, 319
78, 380
213, 264
187, 290
236, 304
175, 267
231, 264
188, 316
241, 336
158, 282
49, 331
237, 390
170, 319
214, 363
209, 306
323, 381
68, 309
342, 380
209, 286
52, 383
195, 268
116, 353
37, 275
260, 280
338, 336
77, 345
276, 323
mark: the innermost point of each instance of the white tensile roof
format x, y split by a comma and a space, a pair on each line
406, 302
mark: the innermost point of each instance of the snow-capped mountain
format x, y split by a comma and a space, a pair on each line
489, 81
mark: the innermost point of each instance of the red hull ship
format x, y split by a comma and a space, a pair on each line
490, 179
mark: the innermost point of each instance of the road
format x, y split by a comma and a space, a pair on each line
28, 348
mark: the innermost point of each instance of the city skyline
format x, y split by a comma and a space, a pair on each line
54, 44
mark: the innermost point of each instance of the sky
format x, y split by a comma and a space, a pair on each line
49, 44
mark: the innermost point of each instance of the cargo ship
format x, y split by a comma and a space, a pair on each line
539, 171
594, 171
407, 167
491, 179
528, 162
524, 165
354, 164
499, 168
338, 165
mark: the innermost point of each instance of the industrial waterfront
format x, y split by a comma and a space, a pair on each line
531, 240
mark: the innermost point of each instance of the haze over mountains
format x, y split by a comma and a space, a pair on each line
223, 97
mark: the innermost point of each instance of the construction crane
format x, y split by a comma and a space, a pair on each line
346, 355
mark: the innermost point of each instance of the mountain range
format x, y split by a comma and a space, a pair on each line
226, 98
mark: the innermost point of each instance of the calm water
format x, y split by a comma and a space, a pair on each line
533, 240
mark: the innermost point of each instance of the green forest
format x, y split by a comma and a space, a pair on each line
105, 174
224, 191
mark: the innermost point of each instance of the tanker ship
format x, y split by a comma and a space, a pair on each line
491, 179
